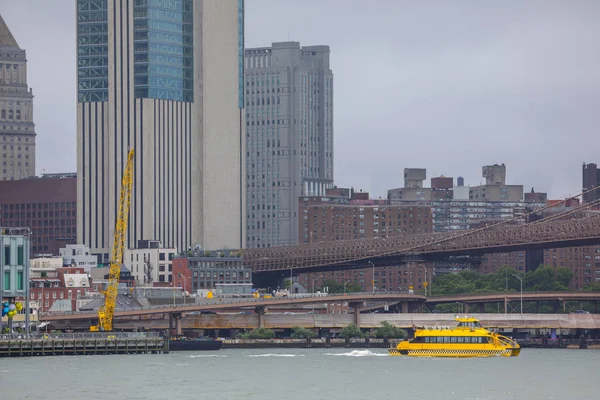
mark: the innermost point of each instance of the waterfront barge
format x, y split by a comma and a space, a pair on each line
467, 339
183, 343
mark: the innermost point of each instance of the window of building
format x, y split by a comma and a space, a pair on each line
6, 280
20, 255
20, 281
7, 255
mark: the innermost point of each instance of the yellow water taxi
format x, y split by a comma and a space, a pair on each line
467, 339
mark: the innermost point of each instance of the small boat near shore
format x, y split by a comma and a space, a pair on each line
467, 339
182, 343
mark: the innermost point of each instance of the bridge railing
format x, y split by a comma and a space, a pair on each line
228, 300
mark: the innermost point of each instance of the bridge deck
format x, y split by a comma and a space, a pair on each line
506, 238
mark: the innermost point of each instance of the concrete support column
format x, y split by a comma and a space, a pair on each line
175, 324
404, 307
178, 325
260, 311
505, 305
355, 307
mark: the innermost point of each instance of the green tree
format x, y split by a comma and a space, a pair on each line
544, 278
338, 287
351, 331
258, 333
302, 333
592, 287
547, 278
387, 330
287, 284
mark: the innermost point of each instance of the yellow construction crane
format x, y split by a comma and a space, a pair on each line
107, 311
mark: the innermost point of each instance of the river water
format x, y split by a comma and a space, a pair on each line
302, 374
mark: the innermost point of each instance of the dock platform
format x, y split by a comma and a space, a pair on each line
82, 344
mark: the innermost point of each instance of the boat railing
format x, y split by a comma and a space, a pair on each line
506, 341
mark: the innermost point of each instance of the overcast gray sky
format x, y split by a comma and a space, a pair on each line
444, 85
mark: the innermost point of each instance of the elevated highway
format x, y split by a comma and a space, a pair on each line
336, 321
220, 304
409, 305
515, 296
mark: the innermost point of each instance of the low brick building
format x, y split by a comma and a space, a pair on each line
47, 205
332, 218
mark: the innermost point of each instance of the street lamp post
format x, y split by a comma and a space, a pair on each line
521, 282
313, 283
373, 280
425, 286
345, 286
184, 286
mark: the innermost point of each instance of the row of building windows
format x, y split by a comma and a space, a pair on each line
7, 66
39, 206
11, 114
19, 260
20, 284
11, 138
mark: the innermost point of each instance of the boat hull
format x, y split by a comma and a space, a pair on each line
194, 345
462, 353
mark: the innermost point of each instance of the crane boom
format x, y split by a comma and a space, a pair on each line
107, 311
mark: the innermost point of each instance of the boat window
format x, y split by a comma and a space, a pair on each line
469, 325
460, 339
453, 339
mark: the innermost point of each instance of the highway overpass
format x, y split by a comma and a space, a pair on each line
222, 304
333, 321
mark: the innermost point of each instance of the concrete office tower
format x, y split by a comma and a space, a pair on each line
166, 78
289, 133
17, 130
591, 179
494, 174
414, 177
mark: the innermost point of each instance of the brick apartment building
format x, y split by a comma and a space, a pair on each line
347, 215
584, 261
59, 290
47, 205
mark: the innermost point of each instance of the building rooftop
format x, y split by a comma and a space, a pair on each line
6, 37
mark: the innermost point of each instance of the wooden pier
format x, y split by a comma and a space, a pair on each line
52, 345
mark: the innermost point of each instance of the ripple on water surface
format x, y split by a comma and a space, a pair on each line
332, 374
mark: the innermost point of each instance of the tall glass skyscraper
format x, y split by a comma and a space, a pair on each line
163, 77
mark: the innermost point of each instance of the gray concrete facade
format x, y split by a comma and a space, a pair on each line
172, 92
289, 137
17, 130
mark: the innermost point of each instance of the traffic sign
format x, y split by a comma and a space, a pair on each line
424, 284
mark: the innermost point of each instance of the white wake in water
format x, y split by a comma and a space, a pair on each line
275, 355
358, 353
206, 355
